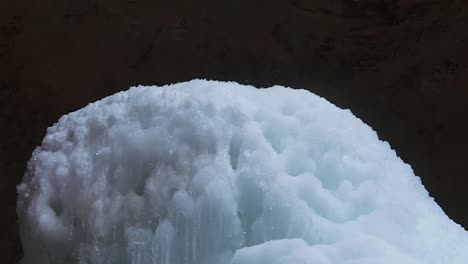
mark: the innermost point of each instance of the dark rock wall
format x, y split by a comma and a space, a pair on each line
401, 66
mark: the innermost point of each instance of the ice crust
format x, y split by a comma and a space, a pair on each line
207, 172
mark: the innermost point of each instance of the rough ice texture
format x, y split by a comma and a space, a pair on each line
211, 172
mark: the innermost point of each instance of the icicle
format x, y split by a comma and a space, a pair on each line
114, 232
193, 240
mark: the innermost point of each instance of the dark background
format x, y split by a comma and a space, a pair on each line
401, 66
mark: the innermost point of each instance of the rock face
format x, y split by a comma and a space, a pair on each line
400, 65
201, 173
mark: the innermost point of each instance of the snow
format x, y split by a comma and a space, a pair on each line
216, 172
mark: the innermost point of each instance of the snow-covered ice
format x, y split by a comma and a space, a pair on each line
220, 173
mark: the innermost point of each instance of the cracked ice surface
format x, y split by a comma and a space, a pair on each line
211, 172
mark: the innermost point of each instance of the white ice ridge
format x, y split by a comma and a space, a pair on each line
207, 172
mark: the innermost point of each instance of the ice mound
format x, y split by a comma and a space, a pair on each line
210, 173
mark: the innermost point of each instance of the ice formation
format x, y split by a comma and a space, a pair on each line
206, 172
